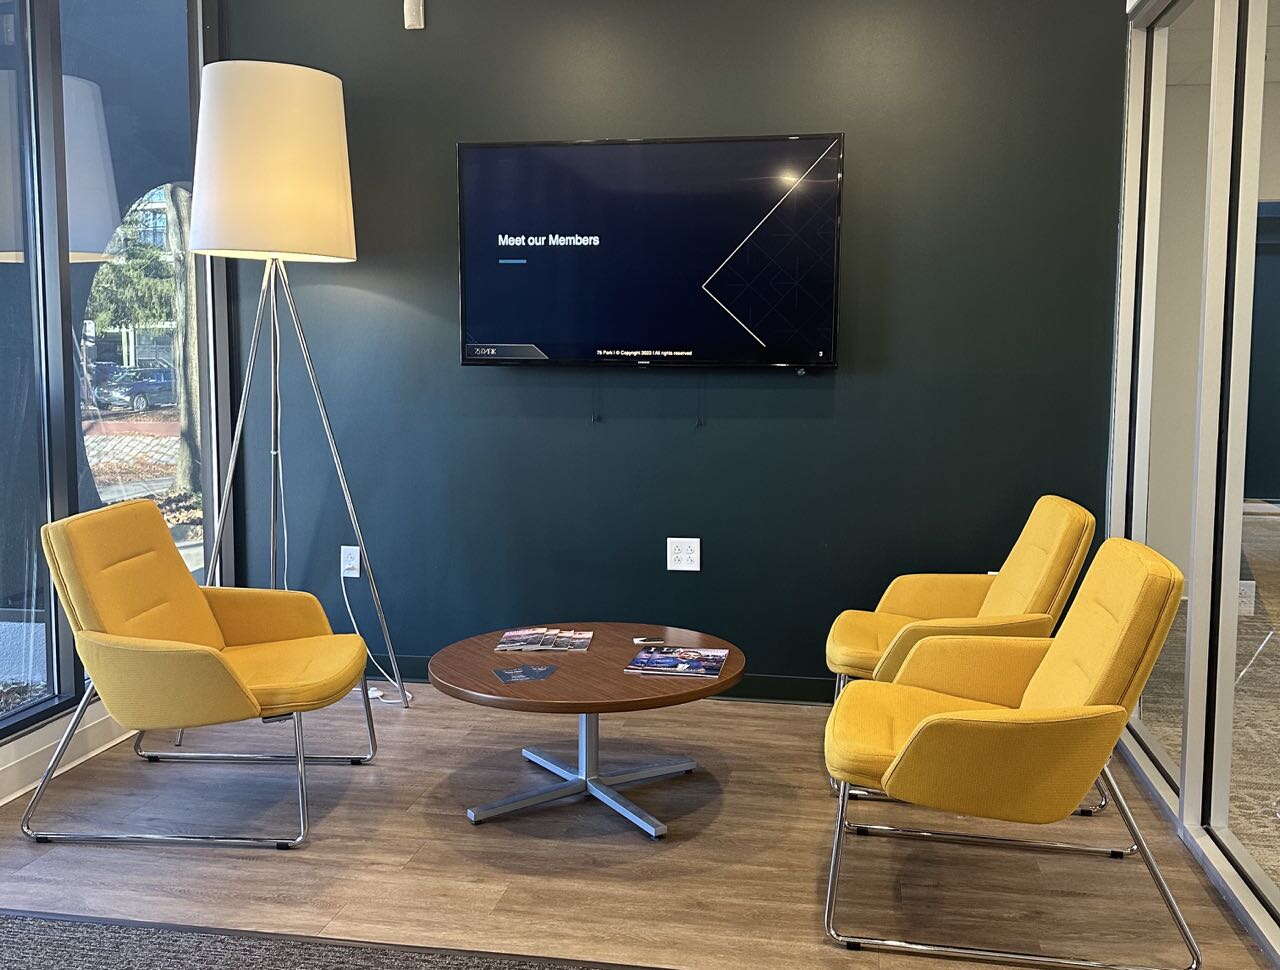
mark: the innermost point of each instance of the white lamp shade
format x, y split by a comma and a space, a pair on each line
93, 209
271, 176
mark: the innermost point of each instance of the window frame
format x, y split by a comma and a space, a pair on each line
38, 29
1196, 800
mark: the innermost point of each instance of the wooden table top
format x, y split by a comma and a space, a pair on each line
591, 681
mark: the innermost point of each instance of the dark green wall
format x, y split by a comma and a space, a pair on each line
981, 193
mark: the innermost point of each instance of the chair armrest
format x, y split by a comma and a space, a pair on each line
149, 684
1023, 625
991, 669
932, 596
259, 615
1017, 766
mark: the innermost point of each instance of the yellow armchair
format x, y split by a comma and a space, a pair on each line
164, 653
258, 615
164, 683
1025, 598
1009, 728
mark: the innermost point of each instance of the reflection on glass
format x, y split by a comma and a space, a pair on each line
1255, 739
26, 675
1175, 336
134, 298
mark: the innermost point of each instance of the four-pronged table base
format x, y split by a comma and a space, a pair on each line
587, 780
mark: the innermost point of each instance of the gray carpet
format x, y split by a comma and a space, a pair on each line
30, 942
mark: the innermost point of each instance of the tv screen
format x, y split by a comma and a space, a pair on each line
695, 252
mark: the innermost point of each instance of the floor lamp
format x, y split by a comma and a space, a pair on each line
272, 182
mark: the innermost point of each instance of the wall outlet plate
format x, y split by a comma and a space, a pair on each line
684, 555
350, 561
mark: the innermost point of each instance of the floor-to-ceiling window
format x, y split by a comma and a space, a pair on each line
104, 338
134, 301
1169, 343
1196, 442
1245, 811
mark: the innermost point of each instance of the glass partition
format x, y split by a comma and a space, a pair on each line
1182, 54
1248, 811
1196, 441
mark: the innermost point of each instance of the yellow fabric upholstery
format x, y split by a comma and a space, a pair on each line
1014, 765
934, 596
870, 724
1013, 728
961, 666
299, 675
1028, 625
1025, 599
1104, 651
164, 653
858, 640
118, 571
163, 683
260, 615
1043, 564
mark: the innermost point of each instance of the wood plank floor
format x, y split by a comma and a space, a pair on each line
737, 883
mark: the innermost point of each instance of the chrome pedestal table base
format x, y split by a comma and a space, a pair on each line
586, 780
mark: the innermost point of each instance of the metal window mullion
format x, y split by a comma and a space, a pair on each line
220, 346
1128, 260
1218, 193
1139, 473
53, 297
1234, 422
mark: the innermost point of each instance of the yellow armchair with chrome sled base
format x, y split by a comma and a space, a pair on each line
1010, 728
1025, 598
163, 652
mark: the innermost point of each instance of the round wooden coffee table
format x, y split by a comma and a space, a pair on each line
587, 683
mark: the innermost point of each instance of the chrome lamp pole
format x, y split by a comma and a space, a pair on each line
272, 182
275, 278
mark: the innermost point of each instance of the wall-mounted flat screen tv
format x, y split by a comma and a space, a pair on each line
693, 252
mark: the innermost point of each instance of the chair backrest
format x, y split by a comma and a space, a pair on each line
1043, 564
1113, 633
118, 571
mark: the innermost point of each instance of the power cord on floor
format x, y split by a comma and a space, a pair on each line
374, 692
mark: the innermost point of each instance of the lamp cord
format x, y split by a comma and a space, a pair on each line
394, 699
374, 692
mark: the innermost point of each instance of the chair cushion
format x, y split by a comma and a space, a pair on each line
117, 571
872, 720
285, 676
859, 638
1041, 568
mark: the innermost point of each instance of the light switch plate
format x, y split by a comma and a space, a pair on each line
684, 555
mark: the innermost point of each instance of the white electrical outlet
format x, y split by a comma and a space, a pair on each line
350, 561
684, 555
1248, 597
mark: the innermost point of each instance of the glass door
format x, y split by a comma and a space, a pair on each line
1169, 334
1244, 813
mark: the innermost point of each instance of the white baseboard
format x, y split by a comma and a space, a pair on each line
24, 759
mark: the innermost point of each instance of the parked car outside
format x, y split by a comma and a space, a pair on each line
137, 389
